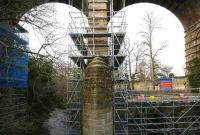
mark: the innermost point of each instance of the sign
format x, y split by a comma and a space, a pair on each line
165, 84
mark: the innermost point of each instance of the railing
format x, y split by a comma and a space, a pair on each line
189, 94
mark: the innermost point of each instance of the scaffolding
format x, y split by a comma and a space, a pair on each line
164, 113
134, 112
119, 62
73, 105
86, 35
77, 62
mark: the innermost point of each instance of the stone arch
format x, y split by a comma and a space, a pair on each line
13, 10
187, 11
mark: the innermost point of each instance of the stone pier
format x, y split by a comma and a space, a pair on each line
97, 99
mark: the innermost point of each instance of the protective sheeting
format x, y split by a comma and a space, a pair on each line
13, 62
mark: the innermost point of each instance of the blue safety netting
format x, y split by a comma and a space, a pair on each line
13, 62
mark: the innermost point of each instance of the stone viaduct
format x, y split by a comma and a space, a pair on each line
97, 95
188, 12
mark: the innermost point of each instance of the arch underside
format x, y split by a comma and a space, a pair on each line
188, 11
12, 10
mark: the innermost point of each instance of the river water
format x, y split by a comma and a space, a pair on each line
56, 122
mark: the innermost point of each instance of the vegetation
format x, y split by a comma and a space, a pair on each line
143, 54
45, 92
47, 88
194, 73
151, 24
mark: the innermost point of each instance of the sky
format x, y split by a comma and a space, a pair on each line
172, 31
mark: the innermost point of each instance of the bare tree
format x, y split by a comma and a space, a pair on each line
165, 70
135, 56
151, 24
45, 79
38, 18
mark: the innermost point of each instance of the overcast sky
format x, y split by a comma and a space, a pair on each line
172, 31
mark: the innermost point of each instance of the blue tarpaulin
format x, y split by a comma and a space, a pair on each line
13, 63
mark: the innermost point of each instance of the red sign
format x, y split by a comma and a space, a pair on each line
165, 84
